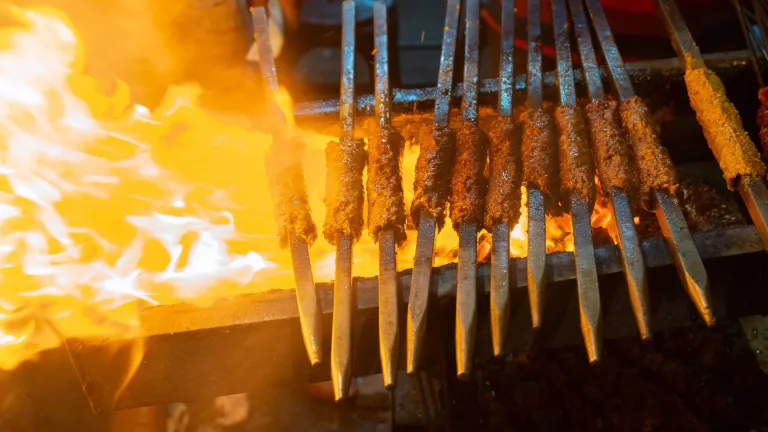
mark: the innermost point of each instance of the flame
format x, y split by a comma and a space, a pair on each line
107, 207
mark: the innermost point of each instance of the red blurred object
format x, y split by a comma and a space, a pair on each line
627, 17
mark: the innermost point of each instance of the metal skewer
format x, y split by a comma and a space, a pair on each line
537, 224
687, 259
584, 252
389, 299
466, 289
500, 299
306, 297
425, 240
624, 224
341, 339
752, 189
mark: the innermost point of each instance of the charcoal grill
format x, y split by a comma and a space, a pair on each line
254, 342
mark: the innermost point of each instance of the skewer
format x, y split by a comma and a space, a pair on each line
425, 240
537, 228
500, 299
752, 190
584, 253
306, 297
623, 222
686, 257
341, 339
389, 301
748, 40
466, 294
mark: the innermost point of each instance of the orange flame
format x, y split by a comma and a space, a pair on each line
106, 206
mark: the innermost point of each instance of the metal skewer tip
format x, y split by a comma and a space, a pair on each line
632, 260
419, 297
586, 278
306, 297
341, 340
425, 240
686, 256
389, 301
466, 300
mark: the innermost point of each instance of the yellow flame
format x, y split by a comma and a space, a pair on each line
107, 206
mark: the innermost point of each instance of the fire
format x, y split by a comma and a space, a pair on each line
107, 207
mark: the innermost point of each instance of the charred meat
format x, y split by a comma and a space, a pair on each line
577, 171
539, 154
289, 192
386, 207
503, 203
468, 183
344, 192
657, 172
613, 156
432, 183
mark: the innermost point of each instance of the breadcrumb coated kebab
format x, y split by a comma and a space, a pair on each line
612, 153
432, 180
386, 207
289, 192
468, 182
540, 154
344, 196
725, 134
577, 171
503, 202
657, 172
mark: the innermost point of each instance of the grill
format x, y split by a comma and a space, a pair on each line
261, 341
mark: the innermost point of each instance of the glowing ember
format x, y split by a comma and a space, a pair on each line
107, 207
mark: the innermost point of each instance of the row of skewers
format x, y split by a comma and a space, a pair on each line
555, 160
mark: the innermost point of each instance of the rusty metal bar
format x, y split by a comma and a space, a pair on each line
306, 298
